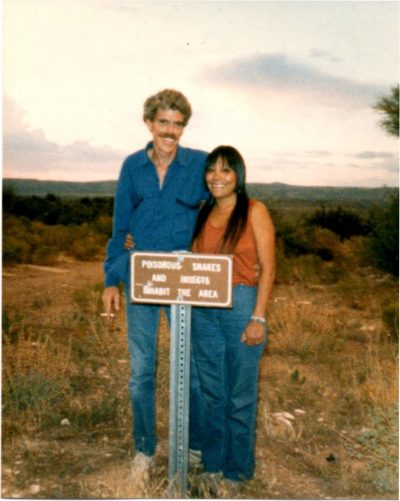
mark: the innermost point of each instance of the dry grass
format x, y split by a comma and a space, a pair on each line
327, 424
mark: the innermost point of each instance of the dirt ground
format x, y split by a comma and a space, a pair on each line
26, 285
97, 466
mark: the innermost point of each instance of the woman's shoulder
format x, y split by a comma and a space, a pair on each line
257, 206
258, 212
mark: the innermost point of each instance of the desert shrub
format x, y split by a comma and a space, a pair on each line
390, 318
308, 269
8, 199
354, 252
343, 222
367, 382
35, 378
19, 240
53, 210
300, 238
15, 250
384, 237
310, 255
87, 243
47, 378
103, 410
103, 225
305, 330
31, 390
26, 241
84, 250
12, 326
294, 239
324, 243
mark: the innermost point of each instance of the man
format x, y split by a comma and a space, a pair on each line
157, 198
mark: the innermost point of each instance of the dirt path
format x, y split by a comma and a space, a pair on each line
25, 285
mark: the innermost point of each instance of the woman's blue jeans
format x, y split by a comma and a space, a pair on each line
228, 374
142, 322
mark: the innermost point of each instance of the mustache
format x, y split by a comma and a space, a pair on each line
169, 136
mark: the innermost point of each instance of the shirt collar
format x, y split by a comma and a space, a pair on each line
181, 154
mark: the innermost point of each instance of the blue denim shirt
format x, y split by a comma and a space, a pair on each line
159, 219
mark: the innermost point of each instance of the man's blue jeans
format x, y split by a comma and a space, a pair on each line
228, 374
142, 322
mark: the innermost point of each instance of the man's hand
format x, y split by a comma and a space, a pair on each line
111, 302
254, 334
129, 242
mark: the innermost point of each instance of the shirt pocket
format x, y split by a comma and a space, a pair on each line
184, 221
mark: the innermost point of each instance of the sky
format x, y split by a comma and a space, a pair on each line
290, 84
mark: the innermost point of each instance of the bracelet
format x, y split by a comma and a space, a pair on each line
258, 320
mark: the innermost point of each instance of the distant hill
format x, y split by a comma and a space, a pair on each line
68, 189
274, 192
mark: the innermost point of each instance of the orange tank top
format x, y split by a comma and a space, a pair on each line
245, 261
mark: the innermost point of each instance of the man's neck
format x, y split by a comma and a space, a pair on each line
160, 159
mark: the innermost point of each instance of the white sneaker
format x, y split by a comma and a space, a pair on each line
210, 483
140, 465
194, 458
230, 488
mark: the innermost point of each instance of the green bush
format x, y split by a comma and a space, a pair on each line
294, 239
384, 237
35, 242
344, 222
301, 239
53, 210
15, 250
31, 390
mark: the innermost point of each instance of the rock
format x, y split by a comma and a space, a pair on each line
299, 411
65, 422
283, 414
285, 421
34, 488
287, 415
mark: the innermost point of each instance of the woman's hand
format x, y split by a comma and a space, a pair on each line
253, 334
129, 242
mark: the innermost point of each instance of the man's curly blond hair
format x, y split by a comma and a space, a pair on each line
167, 99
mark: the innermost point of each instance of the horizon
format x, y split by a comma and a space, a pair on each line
247, 183
295, 99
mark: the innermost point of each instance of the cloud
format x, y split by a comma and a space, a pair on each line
281, 73
323, 54
376, 154
27, 152
384, 160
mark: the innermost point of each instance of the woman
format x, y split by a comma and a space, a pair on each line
228, 343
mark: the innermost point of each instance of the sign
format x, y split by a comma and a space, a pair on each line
181, 278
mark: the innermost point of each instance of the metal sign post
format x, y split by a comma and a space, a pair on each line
179, 399
181, 280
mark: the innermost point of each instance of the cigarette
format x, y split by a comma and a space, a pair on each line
107, 315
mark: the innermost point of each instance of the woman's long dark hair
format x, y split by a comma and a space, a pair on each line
238, 219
